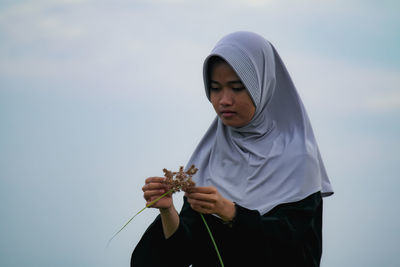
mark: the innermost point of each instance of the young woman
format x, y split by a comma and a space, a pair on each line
261, 178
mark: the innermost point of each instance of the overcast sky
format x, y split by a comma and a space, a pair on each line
95, 96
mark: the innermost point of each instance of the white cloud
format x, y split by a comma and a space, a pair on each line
341, 87
252, 3
388, 102
66, 40
42, 20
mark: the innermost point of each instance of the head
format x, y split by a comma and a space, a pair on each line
253, 61
228, 94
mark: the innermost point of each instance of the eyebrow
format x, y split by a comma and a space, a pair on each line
230, 82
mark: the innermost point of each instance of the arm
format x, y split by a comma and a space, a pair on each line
170, 221
154, 188
154, 250
291, 229
166, 235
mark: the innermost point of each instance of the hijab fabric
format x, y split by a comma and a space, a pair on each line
274, 159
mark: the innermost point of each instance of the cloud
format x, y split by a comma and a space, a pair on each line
341, 87
66, 42
388, 102
39, 20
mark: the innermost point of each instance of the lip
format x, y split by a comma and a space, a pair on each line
227, 113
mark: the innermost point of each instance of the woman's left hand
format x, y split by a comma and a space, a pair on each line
208, 200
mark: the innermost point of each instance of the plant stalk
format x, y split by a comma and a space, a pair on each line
148, 205
212, 239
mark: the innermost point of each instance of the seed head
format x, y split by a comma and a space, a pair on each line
183, 180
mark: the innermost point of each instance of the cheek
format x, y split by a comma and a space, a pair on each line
252, 111
214, 101
248, 106
249, 111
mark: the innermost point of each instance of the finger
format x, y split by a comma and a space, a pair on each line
153, 198
201, 209
153, 186
155, 180
202, 197
202, 204
153, 194
151, 203
204, 190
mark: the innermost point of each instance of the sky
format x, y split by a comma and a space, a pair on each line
95, 96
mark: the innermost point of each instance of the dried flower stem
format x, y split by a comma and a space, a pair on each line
212, 239
148, 205
183, 181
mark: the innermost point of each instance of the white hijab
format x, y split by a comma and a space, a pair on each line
275, 158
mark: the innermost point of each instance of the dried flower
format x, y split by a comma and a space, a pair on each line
183, 180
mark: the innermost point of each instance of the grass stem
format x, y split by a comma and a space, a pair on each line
148, 205
212, 239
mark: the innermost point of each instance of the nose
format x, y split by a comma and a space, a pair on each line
226, 98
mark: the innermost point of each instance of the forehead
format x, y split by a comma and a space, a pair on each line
223, 71
215, 60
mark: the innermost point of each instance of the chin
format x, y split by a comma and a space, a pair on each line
232, 124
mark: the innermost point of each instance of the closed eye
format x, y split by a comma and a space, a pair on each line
238, 89
214, 89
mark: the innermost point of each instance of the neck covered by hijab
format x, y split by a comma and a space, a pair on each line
274, 159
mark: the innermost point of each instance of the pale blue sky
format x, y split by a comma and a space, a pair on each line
97, 95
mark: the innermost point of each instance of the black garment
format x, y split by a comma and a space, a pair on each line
288, 235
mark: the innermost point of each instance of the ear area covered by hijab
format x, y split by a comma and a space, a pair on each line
274, 159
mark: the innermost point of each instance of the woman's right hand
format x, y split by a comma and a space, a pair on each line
154, 188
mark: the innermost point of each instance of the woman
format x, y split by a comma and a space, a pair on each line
261, 178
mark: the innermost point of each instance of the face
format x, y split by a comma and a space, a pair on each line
230, 98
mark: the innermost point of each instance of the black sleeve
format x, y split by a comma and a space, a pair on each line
154, 250
288, 235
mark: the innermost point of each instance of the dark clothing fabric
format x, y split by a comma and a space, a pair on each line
288, 235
